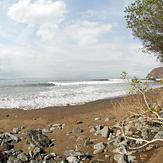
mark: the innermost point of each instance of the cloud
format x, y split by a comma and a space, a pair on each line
45, 14
87, 32
54, 42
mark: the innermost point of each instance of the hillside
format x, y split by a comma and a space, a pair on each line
156, 73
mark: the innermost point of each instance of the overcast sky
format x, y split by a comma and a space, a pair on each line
68, 39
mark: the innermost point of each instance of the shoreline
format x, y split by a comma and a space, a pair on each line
70, 105
124, 95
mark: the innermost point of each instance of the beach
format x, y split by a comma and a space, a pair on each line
105, 112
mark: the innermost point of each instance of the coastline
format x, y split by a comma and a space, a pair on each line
71, 116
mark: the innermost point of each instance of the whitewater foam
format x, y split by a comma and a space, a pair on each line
41, 94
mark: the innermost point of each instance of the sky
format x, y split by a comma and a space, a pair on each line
69, 39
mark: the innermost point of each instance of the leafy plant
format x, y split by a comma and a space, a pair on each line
145, 18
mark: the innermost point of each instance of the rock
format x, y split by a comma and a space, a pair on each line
70, 152
12, 159
87, 142
159, 135
16, 130
38, 139
72, 159
128, 127
50, 157
6, 145
11, 137
97, 118
76, 156
10, 152
92, 130
140, 122
156, 73
107, 119
149, 147
144, 133
77, 130
46, 130
105, 132
37, 151
57, 126
99, 148
23, 157
120, 158
131, 158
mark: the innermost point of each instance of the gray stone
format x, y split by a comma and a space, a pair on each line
23, 157
131, 158
38, 139
6, 145
93, 129
105, 132
87, 142
77, 130
120, 158
57, 126
10, 152
46, 130
128, 127
70, 152
149, 147
140, 122
144, 133
16, 130
49, 157
159, 135
37, 151
72, 159
13, 160
99, 148
11, 137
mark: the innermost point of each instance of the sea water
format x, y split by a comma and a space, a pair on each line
41, 93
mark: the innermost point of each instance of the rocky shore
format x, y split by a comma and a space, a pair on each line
97, 136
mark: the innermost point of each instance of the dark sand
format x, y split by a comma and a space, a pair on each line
70, 115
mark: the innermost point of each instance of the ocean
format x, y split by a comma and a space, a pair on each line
40, 93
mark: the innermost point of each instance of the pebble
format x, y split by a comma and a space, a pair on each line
72, 159
46, 130
77, 130
97, 118
16, 130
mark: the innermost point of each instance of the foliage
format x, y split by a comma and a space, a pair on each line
145, 18
137, 86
